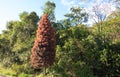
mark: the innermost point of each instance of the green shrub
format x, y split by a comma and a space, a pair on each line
24, 75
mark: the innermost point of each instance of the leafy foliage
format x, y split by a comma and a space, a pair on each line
81, 51
77, 15
49, 10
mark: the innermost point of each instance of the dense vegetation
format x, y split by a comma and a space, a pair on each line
81, 51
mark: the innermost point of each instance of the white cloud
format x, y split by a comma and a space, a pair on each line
68, 2
73, 2
81, 3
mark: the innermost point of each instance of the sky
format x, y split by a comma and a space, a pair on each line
10, 9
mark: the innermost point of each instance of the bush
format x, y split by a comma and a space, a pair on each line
24, 75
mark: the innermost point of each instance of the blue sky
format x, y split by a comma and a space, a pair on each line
10, 9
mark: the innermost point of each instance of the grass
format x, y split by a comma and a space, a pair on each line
7, 72
11, 73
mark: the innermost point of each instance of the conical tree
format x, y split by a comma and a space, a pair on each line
43, 51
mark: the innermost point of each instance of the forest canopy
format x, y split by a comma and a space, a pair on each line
81, 50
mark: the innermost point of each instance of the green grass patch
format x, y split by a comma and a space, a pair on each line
7, 72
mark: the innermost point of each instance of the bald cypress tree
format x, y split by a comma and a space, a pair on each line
43, 51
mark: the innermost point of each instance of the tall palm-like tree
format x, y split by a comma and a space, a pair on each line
43, 51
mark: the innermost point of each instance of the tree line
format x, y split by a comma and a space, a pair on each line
81, 51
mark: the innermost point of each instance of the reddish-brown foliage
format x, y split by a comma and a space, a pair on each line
43, 51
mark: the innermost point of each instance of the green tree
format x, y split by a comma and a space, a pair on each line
77, 15
49, 10
70, 53
104, 48
17, 40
